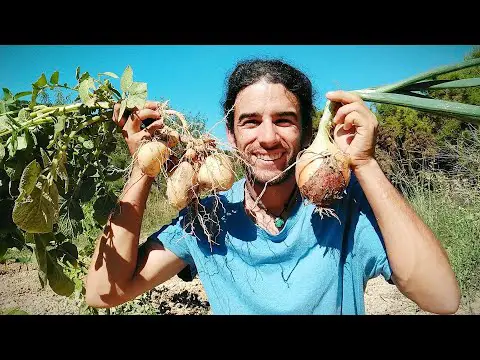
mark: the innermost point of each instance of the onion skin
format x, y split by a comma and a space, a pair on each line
324, 180
190, 155
322, 172
216, 174
151, 156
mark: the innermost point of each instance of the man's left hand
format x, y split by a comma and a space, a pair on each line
356, 127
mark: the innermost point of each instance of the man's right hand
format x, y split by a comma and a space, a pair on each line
131, 122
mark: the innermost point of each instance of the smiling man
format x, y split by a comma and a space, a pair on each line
275, 254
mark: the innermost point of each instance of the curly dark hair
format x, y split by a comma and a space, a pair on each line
248, 72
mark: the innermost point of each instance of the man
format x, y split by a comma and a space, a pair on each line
277, 255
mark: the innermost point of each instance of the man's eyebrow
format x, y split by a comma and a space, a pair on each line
287, 113
279, 114
248, 115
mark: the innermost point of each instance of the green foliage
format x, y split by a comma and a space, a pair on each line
409, 140
450, 209
55, 162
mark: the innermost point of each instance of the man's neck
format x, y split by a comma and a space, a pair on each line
274, 197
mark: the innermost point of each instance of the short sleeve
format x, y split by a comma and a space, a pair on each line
174, 238
368, 241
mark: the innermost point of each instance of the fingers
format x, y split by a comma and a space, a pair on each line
116, 110
352, 119
343, 97
342, 137
156, 125
344, 110
152, 105
149, 131
134, 121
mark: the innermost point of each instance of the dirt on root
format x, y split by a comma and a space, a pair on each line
20, 289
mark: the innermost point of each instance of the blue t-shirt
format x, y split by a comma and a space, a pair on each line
315, 265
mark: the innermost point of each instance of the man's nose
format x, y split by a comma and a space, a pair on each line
267, 136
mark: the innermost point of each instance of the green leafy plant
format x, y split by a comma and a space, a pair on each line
55, 161
58, 178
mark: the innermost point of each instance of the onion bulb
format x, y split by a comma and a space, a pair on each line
151, 156
216, 174
322, 172
181, 185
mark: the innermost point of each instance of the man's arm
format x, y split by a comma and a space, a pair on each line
420, 266
119, 271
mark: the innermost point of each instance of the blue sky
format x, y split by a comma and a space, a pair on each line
192, 77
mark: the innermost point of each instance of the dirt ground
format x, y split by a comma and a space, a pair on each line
20, 289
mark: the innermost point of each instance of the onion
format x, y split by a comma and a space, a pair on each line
151, 156
181, 185
216, 174
322, 172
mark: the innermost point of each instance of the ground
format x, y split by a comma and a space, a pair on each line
20, 289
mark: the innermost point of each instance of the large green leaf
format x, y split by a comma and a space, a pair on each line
87, 190
29, 179
69, 252
39, 211
22, 143
58, 281
102, 207
127, 79
4, 123
54, 78
138, 88
2, 152
42, 81
84, 92
7, 94
45, 158
23, 116
135, 101
14, 168
69, 220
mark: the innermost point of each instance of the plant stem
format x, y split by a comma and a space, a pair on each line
323, 133
43, 115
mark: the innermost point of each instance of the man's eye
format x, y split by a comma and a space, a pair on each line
283, 122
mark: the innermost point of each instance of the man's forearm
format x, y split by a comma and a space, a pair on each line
420, 265
115, 257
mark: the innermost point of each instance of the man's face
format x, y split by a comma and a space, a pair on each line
267, 130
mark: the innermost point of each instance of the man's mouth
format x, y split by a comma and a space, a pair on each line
267, 157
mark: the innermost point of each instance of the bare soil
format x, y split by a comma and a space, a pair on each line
20, 289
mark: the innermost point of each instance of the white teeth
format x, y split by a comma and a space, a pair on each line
269, 157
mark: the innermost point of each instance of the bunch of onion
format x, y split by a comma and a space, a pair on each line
201, 168
322, 170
